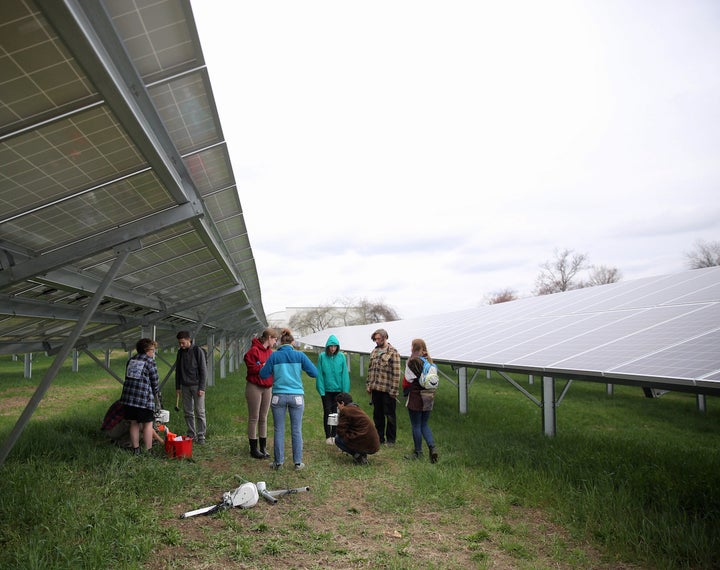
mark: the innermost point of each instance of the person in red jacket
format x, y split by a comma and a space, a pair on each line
258, 391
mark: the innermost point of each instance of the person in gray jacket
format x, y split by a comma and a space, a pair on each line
190, 382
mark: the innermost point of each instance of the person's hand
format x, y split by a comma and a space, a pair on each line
201, 392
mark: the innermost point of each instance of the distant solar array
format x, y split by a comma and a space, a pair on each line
659, 332
110, 146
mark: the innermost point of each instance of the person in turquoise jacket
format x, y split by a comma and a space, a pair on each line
333, 378
286, 366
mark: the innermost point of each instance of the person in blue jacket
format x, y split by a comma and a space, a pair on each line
333, 378
286, 366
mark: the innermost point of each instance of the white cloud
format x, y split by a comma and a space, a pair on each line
370, 140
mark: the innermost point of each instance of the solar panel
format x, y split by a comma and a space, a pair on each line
656, 331
109, 138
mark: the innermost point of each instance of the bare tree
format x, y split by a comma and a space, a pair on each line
602, 275
374, 312
502, 296
360, 312
705, 254
557, 274
312, 320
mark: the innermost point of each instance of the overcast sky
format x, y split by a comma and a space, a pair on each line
427, 154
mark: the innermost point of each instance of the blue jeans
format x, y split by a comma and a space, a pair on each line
421, 429
295, 405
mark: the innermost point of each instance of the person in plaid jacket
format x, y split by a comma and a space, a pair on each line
140, 390
383, 385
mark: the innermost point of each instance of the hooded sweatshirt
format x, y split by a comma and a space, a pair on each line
286, 366
255, 358
333, 374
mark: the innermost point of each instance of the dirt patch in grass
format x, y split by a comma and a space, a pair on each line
349, 531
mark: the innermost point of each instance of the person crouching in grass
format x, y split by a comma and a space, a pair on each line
356, 432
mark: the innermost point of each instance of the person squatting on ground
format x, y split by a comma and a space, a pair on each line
356, 433
332, 379
190, 382
383, 383
286, 365
419, 401
140, 390
258, 391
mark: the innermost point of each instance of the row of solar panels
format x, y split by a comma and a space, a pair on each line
110, 145
661, 332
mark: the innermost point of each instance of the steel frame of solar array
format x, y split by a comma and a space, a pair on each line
121, 217
658, 333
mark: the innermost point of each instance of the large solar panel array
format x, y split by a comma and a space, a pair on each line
110, 143
659, 332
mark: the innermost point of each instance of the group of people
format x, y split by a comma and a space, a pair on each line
274, 382
134, 413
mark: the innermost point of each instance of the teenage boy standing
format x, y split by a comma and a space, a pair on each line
190, 382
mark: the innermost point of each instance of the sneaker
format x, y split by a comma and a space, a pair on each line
330, 441
433, 455
276, 466
299, 466
415, 455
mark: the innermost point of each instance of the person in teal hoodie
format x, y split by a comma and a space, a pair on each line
333, 378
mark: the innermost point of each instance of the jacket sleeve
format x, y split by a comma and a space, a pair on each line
252, 362
309, 367
345, 376
320, 380
267, 369
397, 372
202, 368
177, 373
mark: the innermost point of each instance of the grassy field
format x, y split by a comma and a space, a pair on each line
629, 482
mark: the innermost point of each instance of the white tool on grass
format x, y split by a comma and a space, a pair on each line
245, 497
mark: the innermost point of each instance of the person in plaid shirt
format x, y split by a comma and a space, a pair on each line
383, 382
140, 390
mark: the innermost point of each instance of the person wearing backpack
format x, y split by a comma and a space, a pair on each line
190, 381
419, 400
333, 378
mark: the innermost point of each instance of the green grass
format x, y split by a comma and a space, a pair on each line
627, 480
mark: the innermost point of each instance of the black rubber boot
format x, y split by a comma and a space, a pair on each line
433, 455
263, 445
254, 450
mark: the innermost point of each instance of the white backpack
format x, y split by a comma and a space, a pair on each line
429, 379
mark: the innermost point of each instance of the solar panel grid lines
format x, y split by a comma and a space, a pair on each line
662, 330
692, 358
650, 332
